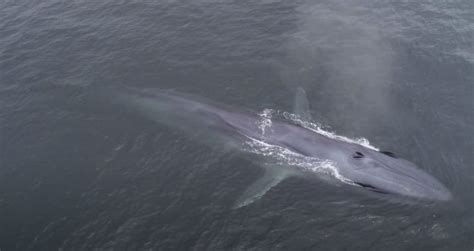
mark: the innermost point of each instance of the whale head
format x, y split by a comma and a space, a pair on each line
385, 173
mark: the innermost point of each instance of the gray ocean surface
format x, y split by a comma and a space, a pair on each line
79, 173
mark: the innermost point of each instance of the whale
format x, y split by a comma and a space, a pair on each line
364, 168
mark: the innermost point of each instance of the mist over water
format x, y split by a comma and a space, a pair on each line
79, 172
345, 58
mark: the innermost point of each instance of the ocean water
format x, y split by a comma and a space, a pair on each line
79, 173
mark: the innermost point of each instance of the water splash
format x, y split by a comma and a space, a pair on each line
266, 120
268, 114
284, 156
318, 129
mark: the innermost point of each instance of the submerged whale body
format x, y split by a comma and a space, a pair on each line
379, 172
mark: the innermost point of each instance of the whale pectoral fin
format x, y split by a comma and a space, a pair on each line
301, 106
262, 185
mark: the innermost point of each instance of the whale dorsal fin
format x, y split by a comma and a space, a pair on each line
301, 106
272, 177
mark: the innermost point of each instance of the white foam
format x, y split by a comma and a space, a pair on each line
284, 156
318, 129
266, 120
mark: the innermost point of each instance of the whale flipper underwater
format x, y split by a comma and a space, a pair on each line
274, 175
364, 168
271, 177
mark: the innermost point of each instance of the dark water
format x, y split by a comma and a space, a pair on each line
79, 173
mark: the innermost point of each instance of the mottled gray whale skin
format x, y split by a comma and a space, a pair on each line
368, 169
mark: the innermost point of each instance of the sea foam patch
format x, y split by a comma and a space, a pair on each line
284, 156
